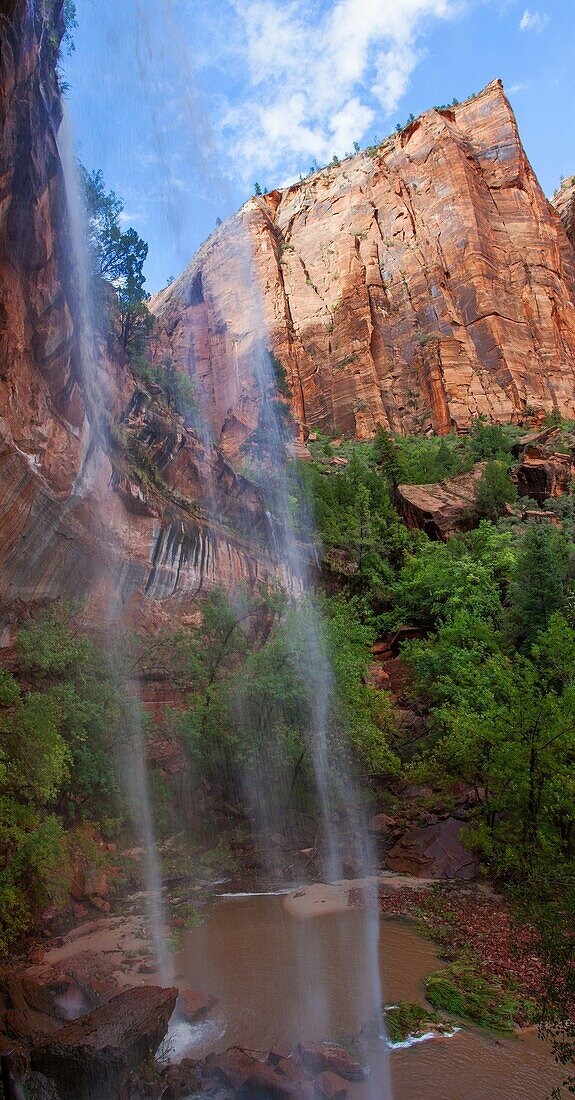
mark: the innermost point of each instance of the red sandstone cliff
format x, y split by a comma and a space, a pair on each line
417, 285
78, 516
564, 203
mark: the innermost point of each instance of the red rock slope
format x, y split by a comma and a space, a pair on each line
418, 285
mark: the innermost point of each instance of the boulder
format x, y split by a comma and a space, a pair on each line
93, 1057
331, 1086
544, 473
234, 1067
193, 1005
266, 1083
181, 1080
382, 824
434, 851
323, 1057
442, 508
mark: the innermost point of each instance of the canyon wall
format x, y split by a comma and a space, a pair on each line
103, 492
564, 203
418, 285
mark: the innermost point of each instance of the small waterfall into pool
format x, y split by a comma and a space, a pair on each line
160, 58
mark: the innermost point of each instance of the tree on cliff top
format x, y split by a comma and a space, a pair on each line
119, 258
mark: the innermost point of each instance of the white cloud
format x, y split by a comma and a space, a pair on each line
514, 89
533, 21
318, 74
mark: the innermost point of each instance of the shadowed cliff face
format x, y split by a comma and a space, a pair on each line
564, 203
417, 286
79, 516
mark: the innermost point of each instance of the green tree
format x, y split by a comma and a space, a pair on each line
70, 24
495, 489
119, 258
505, 726
537, 589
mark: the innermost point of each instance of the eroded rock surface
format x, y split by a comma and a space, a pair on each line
92, 1057
434, 851
564, 203
418, 285
103, 490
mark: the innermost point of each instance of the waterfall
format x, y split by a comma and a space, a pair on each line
159, 53
132, 763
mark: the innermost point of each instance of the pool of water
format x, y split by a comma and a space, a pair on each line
279, 979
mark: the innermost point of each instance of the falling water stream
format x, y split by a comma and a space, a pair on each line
342, 831
132, 762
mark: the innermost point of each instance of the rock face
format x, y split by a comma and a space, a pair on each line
434, 851
418, 285
415, 285
127, 519
564, 203
547, 464
92, 1057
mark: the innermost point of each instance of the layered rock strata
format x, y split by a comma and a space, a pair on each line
103, 491
564, 203
418, 285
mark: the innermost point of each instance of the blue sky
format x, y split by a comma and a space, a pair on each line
184, 104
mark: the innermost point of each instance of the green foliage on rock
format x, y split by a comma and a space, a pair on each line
461, 991
55, 763
410, 1021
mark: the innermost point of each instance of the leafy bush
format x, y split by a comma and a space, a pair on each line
55, 763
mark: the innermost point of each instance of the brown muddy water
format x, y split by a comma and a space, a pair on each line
245, 954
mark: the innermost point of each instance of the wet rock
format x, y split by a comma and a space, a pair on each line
435, 851
266, 1083
331, 1086
232, 1068
18, 1024
195, 1005
352, 868
182, 1079
38, 997
321, 1057
93, 1057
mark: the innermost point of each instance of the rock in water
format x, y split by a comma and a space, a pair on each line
93, 1057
